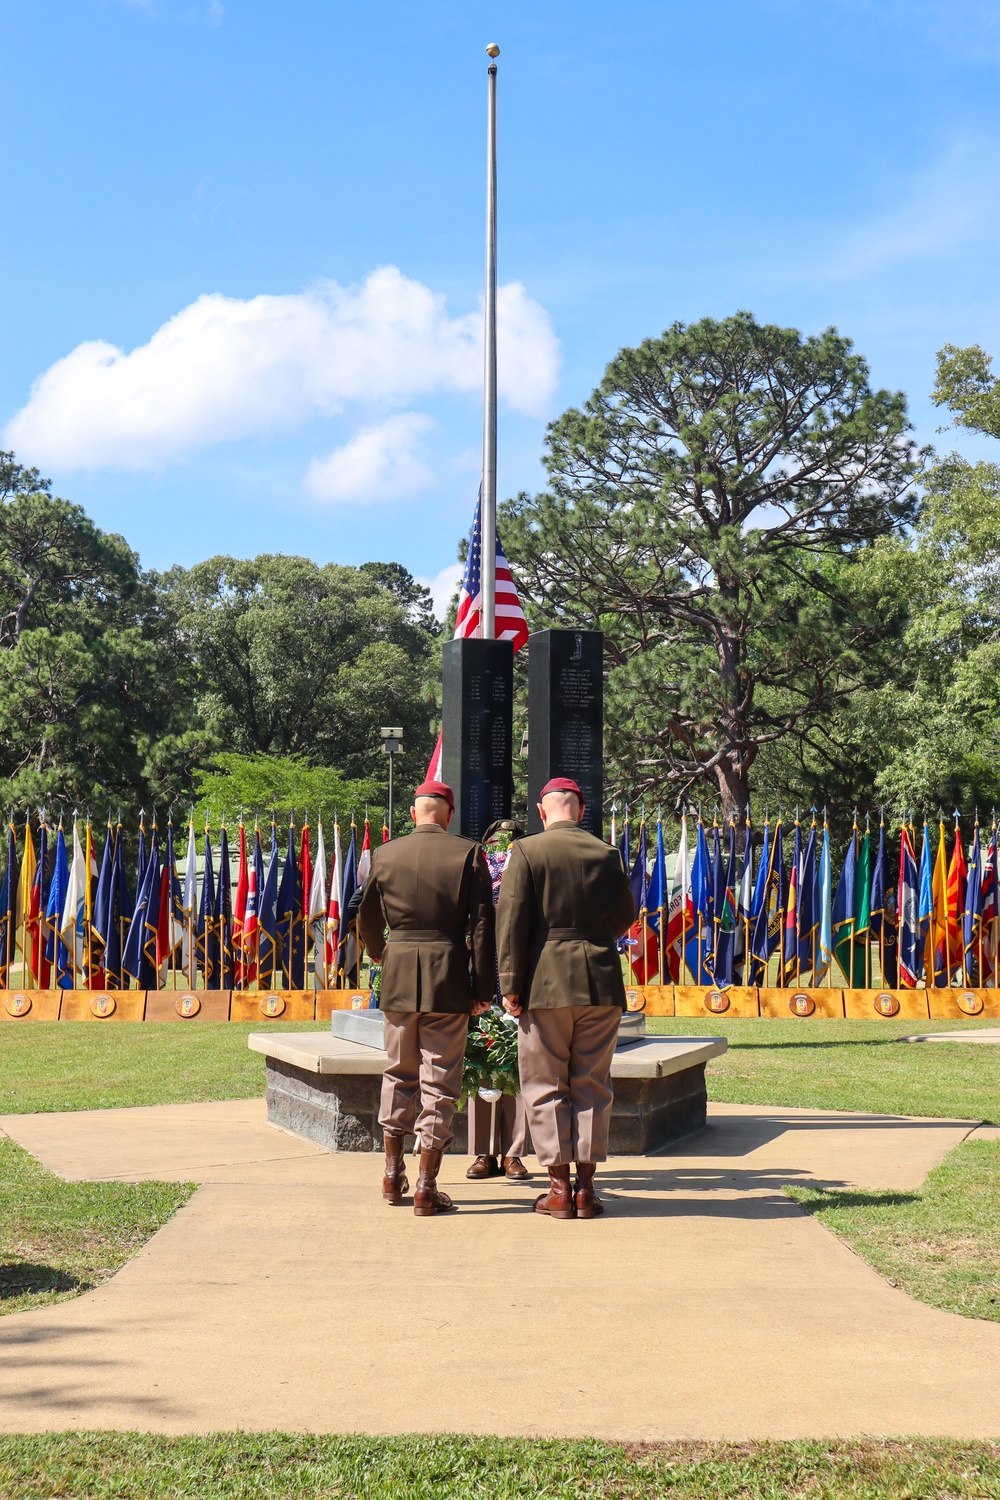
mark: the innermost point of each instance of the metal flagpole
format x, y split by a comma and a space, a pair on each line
487, 549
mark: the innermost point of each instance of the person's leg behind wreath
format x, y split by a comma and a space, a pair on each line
485, 1137
513, 1137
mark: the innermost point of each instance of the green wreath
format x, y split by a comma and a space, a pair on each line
490, 1055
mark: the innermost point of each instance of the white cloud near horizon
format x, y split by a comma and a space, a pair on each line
378, 463
223, 369
443, 587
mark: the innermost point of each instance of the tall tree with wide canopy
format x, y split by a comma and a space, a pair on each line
294, 658
944, 743
706, 509
88, 678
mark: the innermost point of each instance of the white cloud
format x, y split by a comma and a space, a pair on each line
377, 464
443, 587
950, 204
223, 369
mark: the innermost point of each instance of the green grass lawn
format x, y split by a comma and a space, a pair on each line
940, 1243
246, 1466
849, 1065
61, 1238
88, 1065
815, 1064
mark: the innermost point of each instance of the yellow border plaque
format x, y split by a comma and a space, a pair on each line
103, 1006
886, 1004
717, 1001
19, 1005
635, 1000
969, 1002
801, 1004
187, 1006
272, 1006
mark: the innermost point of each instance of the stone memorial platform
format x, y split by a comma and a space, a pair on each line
326, 1089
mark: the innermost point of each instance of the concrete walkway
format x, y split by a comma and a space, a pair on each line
704, 1305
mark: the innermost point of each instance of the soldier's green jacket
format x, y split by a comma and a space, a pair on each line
564, 901
433, 892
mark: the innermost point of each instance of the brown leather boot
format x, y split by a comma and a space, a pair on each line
514, 1168
588, 1205
558, 1201
394, 1183
483, 1166
427, 1200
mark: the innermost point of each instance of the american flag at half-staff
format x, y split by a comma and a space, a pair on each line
511, 624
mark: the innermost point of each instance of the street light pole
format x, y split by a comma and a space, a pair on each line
489, 517
392, 743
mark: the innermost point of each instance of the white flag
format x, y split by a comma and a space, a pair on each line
333, 912
71, 923
317, 910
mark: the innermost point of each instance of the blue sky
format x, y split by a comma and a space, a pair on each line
243, 259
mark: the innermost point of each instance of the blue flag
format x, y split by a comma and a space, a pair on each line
140, 858
207, 930
761, 947
288, 918
139, 957
843, 911
808, 910
925, 900
724, 908
55, 949
266, 920
701, 933
824, 898
624, 845
224, 913
119, 911
102, 896
347, 958
790, 946
909, 946
657, 894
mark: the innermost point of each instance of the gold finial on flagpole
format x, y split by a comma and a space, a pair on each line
493, 50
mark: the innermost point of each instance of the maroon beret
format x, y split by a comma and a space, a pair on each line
436, 789
562, 784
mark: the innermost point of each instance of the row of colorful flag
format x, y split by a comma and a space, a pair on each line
748, 908
76, 916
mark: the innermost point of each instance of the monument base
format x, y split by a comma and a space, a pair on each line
330, 1094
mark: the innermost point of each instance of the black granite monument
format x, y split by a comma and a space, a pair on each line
566, 718
477, 717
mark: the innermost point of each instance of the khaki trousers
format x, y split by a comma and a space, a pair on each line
510, 1133
426, 1052
564, 1059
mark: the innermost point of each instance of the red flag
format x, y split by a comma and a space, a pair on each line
955, 904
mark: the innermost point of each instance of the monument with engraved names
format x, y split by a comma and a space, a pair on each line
566, 718
477, 718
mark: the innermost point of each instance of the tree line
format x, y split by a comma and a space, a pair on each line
125, 686
800, 607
